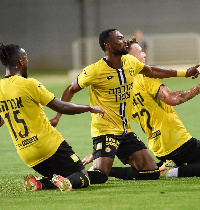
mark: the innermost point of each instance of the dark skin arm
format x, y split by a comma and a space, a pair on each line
178, 97
150, 71
66, 96
2, 121
71, 108
161, 72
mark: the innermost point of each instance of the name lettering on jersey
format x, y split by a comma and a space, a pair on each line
15, 103
27, 141
155, 134
137, 98
121, 93
112, 142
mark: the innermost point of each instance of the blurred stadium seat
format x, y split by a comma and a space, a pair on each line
163, 49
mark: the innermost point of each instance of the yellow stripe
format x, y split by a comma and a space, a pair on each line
74, 158
181, 73
148, 172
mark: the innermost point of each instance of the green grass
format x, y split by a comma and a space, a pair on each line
180, 193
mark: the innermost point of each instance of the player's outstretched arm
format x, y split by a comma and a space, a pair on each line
66, 96
161, 72
178, 97
71, 108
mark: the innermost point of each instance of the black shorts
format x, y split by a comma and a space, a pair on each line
123, 146
64, 162
189, 153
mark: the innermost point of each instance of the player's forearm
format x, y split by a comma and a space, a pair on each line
67, 94
71, 108
179, 97
158, 72
161, 72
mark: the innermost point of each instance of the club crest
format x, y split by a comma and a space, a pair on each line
131, 71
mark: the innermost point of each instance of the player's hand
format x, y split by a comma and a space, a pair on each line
193, 72
87, 159
54, 121
97, 109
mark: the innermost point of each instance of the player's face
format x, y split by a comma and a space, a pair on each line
136, 51
25, 65
117, 44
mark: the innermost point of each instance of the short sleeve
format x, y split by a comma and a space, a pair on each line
152, 85
134, 63
89, 76
38, 92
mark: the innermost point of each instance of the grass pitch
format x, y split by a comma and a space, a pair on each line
182, 193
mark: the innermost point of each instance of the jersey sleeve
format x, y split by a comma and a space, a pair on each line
39, 93
89, 76
134, 63
152, 85
139, 66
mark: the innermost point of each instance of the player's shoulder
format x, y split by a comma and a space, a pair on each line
31, 82
129, 57
148, 80
95, 67
131, 60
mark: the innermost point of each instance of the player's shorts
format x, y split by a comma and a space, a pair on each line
189, 152
121, 145
64, 162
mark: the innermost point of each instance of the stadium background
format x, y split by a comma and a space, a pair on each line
55, 32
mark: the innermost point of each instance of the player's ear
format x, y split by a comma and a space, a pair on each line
106, 45
20, 61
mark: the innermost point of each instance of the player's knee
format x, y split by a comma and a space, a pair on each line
97, 176
149, 175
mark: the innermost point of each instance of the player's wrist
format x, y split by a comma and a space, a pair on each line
181, 73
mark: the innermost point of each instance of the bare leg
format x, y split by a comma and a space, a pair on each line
143, 167
104, 164
142, 160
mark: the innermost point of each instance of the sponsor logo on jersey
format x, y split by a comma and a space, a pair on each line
122, 92
84, 72
40, 85
26, 142
155, 134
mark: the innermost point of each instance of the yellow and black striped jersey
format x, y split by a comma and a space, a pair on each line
21, 107
111, 89
159, 121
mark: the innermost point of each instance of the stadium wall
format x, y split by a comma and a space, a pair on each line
47, 28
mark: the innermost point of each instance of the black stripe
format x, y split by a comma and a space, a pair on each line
122, 113
121, 76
